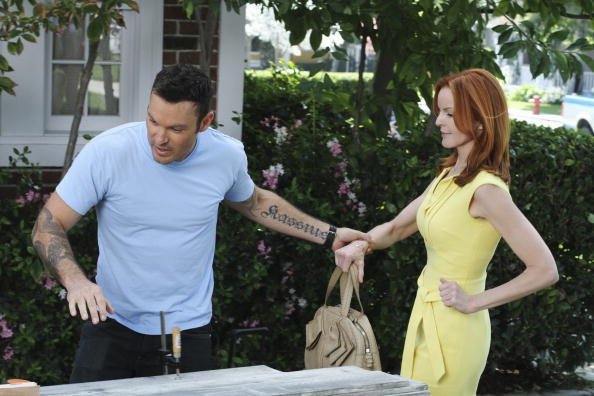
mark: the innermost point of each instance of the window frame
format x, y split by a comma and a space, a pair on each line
95, 123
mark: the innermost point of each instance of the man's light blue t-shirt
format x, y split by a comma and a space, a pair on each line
156, 223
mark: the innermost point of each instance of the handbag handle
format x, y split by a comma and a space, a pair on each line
348, 283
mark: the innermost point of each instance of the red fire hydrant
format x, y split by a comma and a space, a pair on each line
536, 104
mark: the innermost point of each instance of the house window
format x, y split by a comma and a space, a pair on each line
70, 51
105, 104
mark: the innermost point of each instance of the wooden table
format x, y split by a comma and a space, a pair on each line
254, 380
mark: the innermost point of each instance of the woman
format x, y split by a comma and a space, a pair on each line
462, 215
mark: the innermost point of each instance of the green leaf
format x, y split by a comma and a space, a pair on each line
4, 66
328, 81
316, 68
315, 38
19, 45
7, 85
283, 7
591, 217
504, 36
320, 52
339, 55
297, 35
510, 49
189, 10
29, 37
501, 28
561, 63
528, 25
577, 44
587, 60
559, 35
95, 29
12, 48
535, 57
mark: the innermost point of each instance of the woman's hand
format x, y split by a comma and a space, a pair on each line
453, 296
353, 253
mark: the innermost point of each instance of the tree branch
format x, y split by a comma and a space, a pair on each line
484, 10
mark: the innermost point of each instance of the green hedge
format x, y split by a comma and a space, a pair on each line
266, 279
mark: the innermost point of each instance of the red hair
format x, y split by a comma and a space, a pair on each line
478, 100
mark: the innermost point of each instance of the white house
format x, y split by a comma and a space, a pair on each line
46, 73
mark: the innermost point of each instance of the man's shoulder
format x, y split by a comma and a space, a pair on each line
122, 131
219, 138
119, 137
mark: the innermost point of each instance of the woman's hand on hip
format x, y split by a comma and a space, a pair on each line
453, 296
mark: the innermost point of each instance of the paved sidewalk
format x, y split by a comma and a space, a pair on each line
586, 372
548, 120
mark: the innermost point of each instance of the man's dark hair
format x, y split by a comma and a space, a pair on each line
183, 82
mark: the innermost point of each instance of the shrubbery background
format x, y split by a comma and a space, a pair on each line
297, 133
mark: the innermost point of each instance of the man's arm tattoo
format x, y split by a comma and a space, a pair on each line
293, 222
55, 246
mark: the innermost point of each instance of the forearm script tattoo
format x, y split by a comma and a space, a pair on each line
293, 222
54, 246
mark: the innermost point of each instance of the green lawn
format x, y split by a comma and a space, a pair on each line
545, 108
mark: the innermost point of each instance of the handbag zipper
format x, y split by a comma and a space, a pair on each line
368, 354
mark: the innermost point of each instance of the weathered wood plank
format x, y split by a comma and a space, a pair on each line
252, 381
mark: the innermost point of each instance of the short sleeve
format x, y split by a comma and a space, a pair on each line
84, 184
243, 185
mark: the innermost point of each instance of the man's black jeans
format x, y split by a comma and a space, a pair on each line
109, 350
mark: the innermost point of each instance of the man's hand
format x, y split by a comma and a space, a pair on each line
88, 298
453, 296
353, 253
347, 235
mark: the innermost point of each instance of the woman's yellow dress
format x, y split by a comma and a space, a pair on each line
445, 348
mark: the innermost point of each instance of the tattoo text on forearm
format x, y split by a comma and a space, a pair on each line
57, 248
293, 222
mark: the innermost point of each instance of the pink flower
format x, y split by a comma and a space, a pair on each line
6, 331
298, 124
290, 308
8, 353
271, 122
264, 250
45, 197
343, 189
31, 196
20, 200
271, 175
335, 147
247, 323
49, 283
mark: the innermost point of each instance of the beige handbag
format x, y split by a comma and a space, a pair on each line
340, 335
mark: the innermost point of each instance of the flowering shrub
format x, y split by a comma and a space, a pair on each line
37, 335
298, 138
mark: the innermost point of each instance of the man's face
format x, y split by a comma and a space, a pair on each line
172, 128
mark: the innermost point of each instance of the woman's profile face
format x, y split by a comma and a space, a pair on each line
451, 137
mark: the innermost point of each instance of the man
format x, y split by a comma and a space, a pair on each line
156, 186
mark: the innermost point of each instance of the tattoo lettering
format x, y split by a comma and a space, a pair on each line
293, 222
55, 247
